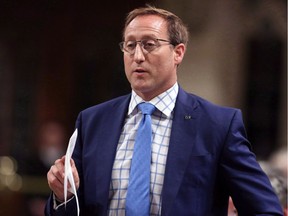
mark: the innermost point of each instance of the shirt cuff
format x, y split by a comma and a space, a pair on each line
57, 203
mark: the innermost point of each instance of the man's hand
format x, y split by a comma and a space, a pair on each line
55, 178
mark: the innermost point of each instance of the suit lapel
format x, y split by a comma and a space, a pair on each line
181, 143
110, 133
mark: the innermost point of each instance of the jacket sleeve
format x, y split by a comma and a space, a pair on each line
248, 185
62, 210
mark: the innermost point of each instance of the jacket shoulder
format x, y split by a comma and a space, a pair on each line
205, 105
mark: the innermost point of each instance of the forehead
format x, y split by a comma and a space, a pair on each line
146, 25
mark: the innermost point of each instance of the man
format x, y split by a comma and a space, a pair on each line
200, 154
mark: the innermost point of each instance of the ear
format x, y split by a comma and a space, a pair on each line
179, 51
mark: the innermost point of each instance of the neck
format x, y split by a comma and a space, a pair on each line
148, 96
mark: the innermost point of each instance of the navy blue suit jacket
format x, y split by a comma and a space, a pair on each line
209, 159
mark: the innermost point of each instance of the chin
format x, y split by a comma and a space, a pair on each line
141, 85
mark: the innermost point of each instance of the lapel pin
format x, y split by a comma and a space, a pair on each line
187, 117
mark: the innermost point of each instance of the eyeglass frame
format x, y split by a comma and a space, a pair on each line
121, 44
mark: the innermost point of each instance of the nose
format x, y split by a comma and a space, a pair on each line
139, 55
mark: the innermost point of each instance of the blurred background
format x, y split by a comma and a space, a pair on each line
58, 57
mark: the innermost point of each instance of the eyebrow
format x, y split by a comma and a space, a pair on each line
147, 36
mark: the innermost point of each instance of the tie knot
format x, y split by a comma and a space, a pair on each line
146, 108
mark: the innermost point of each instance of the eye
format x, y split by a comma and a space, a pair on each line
130, 45
149, 44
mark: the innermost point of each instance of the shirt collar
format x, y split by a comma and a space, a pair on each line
164, 102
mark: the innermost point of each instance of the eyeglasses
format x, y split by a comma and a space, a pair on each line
147, 45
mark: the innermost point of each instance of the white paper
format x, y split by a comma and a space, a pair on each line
68, 170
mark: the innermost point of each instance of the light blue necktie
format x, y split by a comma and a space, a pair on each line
138, 193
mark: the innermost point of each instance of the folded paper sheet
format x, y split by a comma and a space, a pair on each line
68, 171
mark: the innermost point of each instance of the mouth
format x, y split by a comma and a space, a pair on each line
139, 70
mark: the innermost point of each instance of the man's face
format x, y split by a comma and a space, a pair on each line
151, 73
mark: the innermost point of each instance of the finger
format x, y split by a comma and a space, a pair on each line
58, 171
55, 185
72, 162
